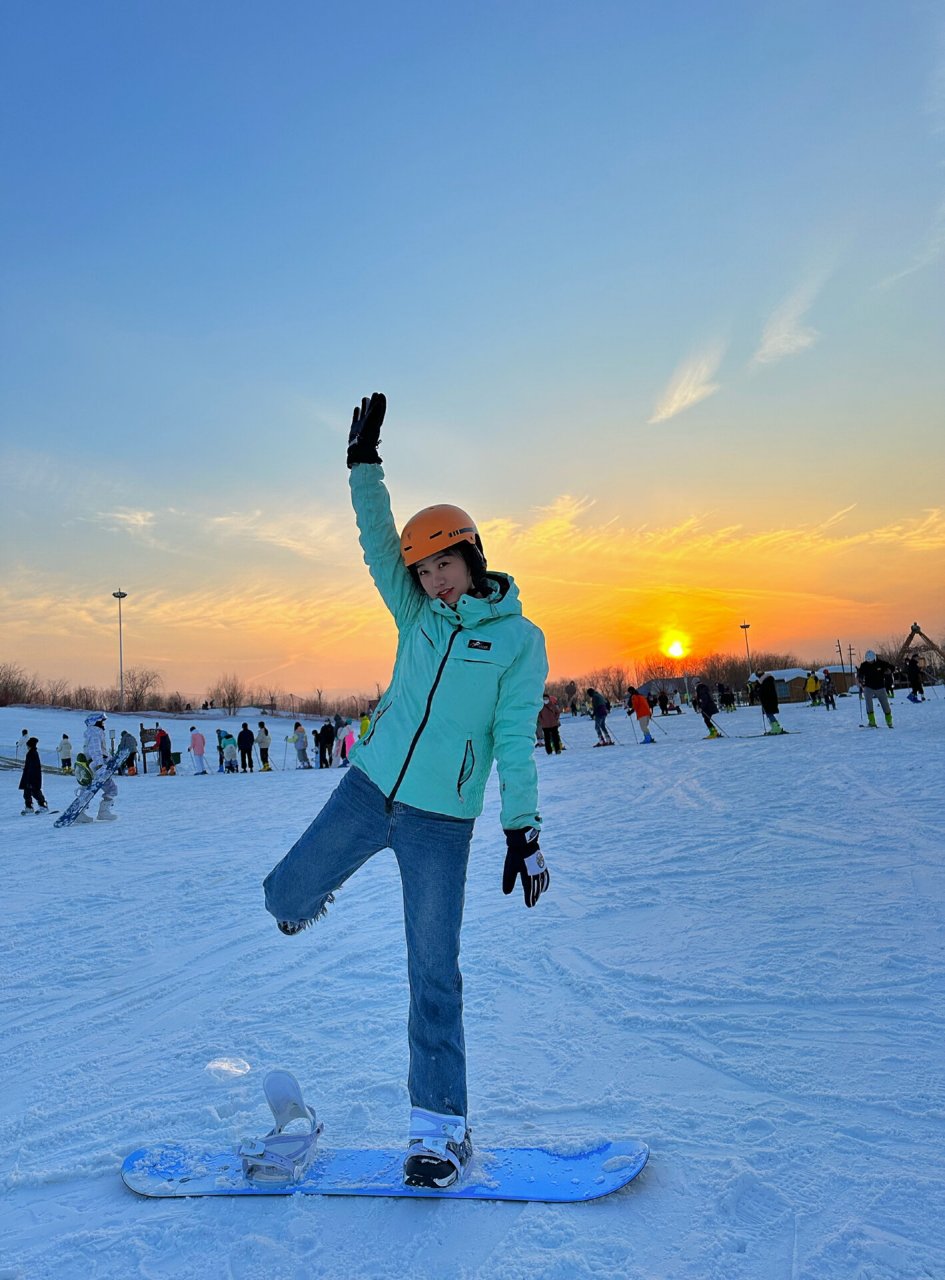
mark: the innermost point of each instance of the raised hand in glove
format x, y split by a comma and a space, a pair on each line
525, 859
365, 433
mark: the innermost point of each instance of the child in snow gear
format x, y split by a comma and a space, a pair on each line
31, 779
64, 752
465, 690
230, 754
768, 693
706, 706
96, 753
299, 739
600, 708
873, 674
639, 706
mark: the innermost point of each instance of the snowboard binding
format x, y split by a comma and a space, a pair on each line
282, 1156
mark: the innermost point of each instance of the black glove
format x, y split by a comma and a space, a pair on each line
365, 433
525, 859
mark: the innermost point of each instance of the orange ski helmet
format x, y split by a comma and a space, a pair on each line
438, 528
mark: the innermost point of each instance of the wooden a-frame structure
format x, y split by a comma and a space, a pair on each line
929, 646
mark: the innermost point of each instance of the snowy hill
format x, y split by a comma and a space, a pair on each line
740, 960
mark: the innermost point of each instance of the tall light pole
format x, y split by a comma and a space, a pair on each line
744, 626
119, 596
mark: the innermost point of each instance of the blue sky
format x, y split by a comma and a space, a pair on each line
669, 261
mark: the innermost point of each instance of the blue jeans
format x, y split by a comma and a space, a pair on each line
432, 852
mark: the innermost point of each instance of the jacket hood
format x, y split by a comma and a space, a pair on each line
95, 717
470, 611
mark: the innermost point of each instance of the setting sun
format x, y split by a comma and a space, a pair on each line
675, 650
675, 645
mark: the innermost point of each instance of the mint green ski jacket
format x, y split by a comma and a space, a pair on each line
466, 688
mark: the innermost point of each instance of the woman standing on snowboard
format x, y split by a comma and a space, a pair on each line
466, 688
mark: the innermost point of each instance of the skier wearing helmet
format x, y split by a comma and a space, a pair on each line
872, 674
465, 690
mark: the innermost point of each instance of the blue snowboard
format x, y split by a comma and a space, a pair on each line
504, 1173
126, 746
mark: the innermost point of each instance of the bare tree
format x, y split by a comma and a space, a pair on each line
57, 691
229, 692
141, 685
17, 686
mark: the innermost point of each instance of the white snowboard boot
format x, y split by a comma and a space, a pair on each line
438, 1150
105, 812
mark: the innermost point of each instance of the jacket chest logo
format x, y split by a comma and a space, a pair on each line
479, 644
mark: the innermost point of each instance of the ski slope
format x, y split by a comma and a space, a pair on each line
740, 960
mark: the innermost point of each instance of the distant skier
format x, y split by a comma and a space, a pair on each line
768, 695
96, 753
828, 692
230, 754
872, 674
299, 739
64, 752
549, 720
914, 674
31, 779
707, 708
465, 691
639, 706
263, 742
197, 748
600, 709
246, 740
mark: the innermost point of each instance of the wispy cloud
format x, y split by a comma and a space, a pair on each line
785, 333
931, 252
691, 382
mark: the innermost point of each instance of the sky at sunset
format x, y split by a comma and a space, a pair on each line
654, 291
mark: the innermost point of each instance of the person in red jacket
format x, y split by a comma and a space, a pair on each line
640, 707
549, 720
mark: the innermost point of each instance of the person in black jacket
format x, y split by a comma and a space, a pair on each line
768, 695
706, 704
31, 780
914, 672
244, 740
872, 675
326, 741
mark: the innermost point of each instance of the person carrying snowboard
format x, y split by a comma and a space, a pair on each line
465, 690
96, 754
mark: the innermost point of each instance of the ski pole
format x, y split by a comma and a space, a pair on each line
634, 728
285, 753
717, 729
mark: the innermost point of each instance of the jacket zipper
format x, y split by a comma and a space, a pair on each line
423, 722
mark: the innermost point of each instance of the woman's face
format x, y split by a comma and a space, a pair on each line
445, 576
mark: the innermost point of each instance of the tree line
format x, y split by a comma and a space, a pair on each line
144, 688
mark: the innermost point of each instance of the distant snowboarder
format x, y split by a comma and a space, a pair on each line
97, 754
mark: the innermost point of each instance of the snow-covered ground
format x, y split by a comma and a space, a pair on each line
740, 960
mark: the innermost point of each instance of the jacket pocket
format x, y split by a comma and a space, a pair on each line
467, 768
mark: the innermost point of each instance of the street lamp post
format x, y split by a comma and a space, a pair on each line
744, 626
119, 596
